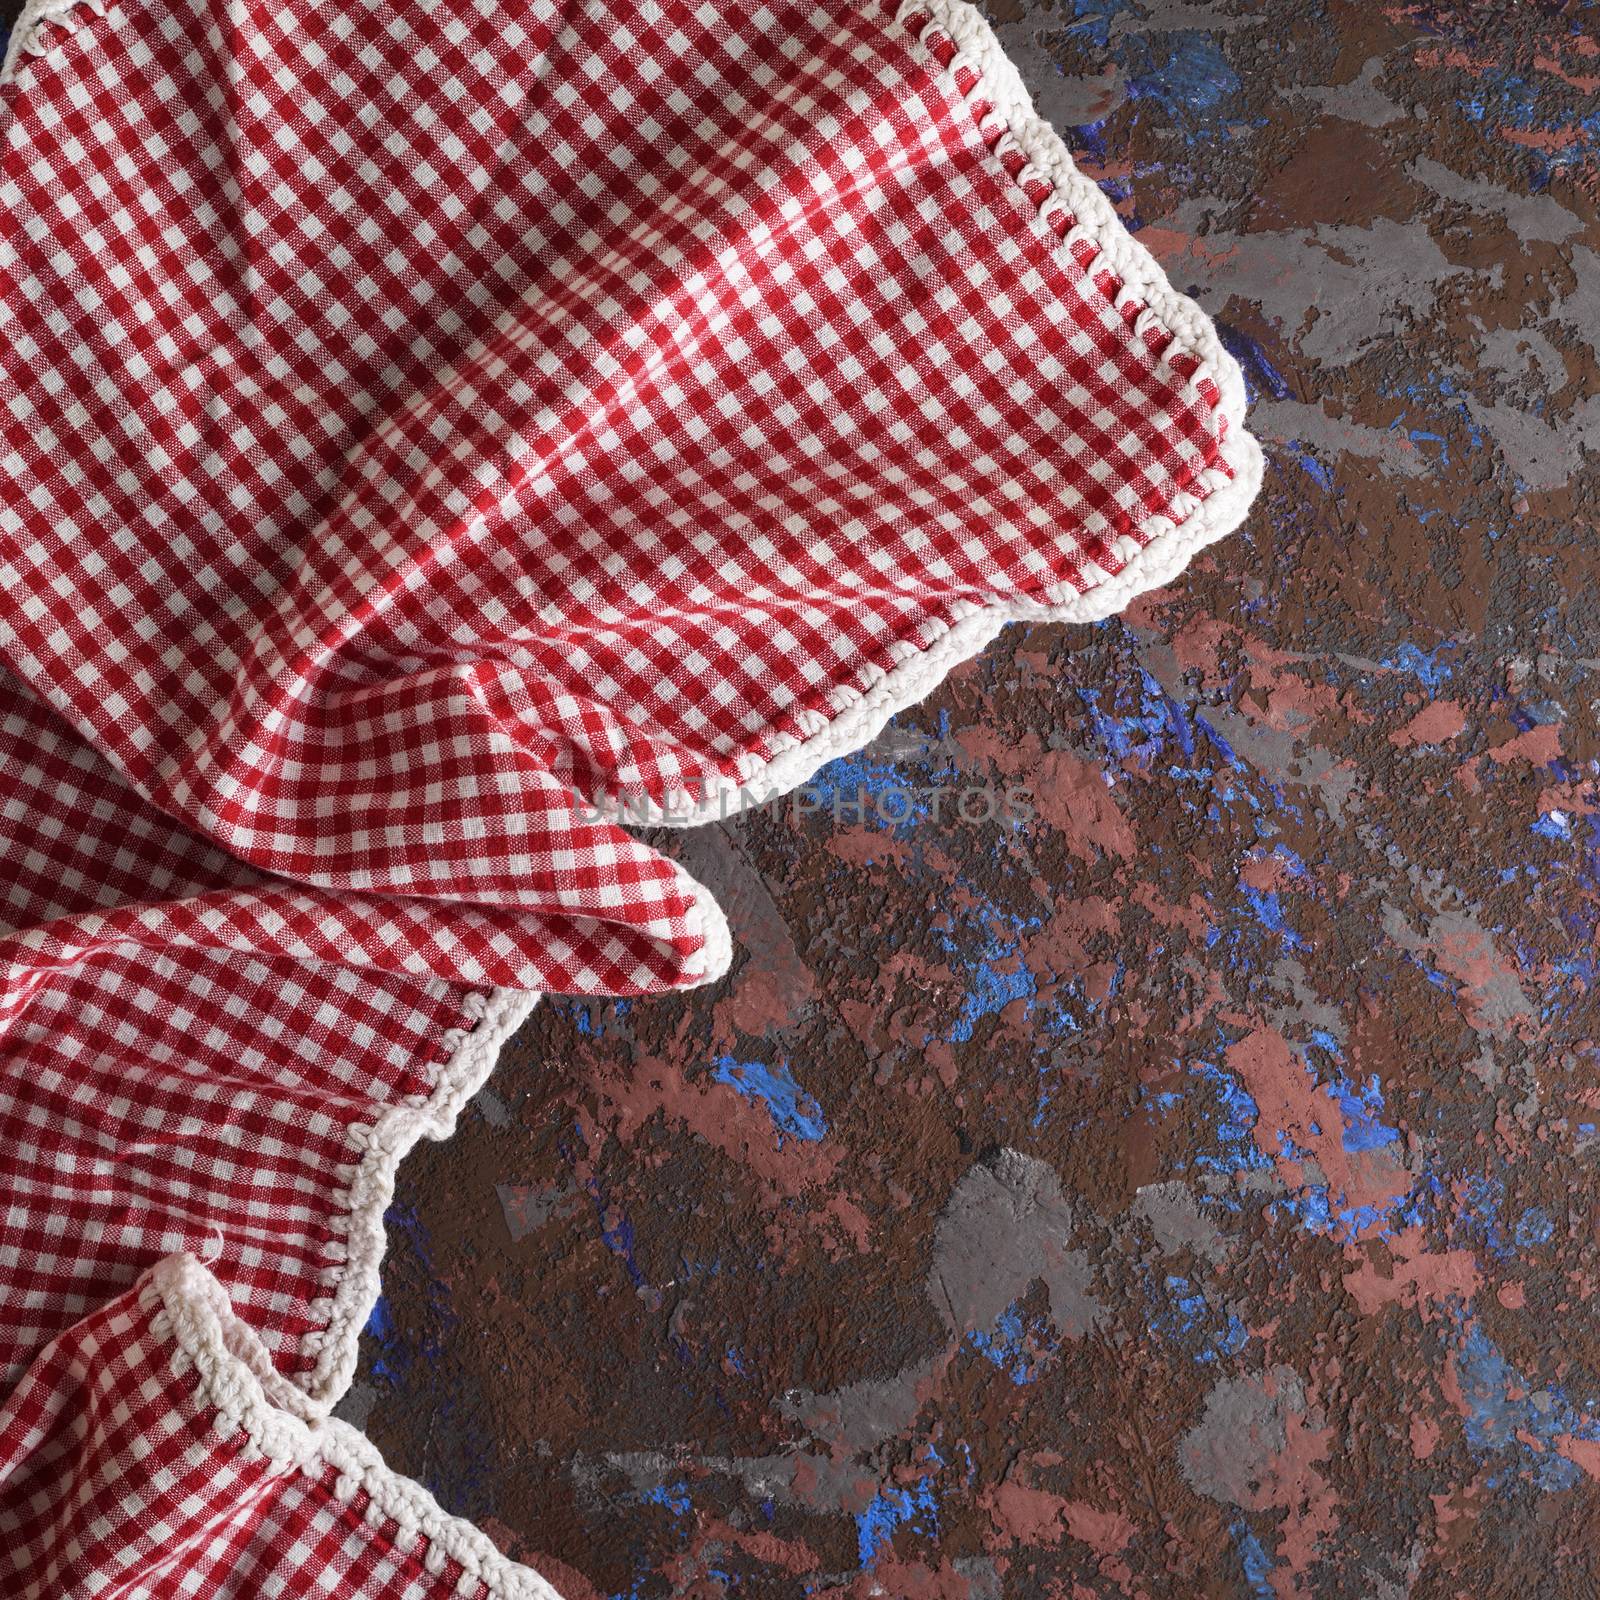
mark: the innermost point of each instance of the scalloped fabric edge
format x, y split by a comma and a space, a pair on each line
984, 77
378, 1148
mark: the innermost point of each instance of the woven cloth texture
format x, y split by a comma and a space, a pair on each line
431, 435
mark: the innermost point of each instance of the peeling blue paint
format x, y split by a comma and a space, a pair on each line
891, 1508
1505, 100
1360, 1105
1019, 1349
1320, 1210
1268, 911
1186, 74
1511, 1415
380, 1329
1233, 1134
674, 1496
1094, 19
1189, 1317
997, 975
1144, 729
1256, 1562
859, 789
795, 1114
1315, 470
1534, 1228
1426, 667
1260, 375
1477, 1214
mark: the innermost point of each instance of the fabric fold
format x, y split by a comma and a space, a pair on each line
152, 1449
237, 1102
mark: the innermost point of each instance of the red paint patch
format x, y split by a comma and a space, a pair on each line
1072, 795
1541, 744
1266, 872
1172, 244
1402, 1271
1026, 1516
1433, 724
1291, 702
1583, 1453
1198, 645
1290, 1099
1107, 1533
1424, 1436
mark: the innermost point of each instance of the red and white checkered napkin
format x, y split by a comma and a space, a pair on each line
430, 431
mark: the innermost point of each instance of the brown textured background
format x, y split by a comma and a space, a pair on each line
1189, 1191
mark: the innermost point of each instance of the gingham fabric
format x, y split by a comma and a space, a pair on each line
433, 433
159, 1098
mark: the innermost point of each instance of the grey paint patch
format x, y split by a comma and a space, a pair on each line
1336, 291
1522, 352
1301, 1004
1177, 1221
1229, 1452
1499, 1000
1006, 1226
527, 1207
356, 1404
1580, 308
1544, 455
981, 1576
491, 1108
717, 857
1359, 101
1280, 756
859, 1417
1529, 216
1295, 421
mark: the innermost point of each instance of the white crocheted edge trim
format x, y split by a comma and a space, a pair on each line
858, 711
716, 952
355, 1256
39, 28
189, 1307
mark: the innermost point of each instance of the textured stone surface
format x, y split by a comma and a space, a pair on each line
1190, 1191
